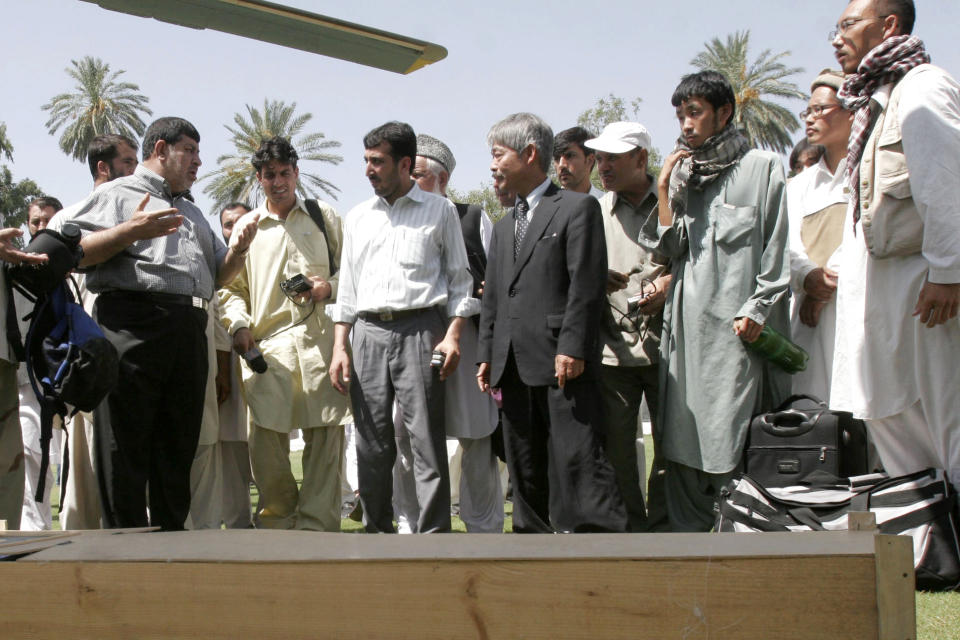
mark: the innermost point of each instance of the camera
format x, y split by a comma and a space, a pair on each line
634, 302
296, 285
255, 360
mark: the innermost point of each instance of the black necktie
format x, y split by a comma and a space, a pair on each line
520, 215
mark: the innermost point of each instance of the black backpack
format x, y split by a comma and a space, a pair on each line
71, 364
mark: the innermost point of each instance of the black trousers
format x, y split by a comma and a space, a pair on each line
146, 430
562, 480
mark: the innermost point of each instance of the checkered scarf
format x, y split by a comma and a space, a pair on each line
705, 164
886, 63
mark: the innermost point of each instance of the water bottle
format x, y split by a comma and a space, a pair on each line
777, 349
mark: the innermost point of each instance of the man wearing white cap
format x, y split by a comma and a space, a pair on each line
637, 281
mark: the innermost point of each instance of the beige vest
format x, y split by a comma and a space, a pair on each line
892, 226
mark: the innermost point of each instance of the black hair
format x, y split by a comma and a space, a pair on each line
236, 205
905, 11
574, 135
400, 137
712, 86
106, 148
170, 130
45, 201
798, 150
276, 148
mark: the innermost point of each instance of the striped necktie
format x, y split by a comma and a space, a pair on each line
522, 220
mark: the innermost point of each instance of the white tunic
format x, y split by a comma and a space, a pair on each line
813, 190
885, 359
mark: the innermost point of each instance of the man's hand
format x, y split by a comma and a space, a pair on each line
747, 329
654, 301
11, 255
616, 281
145, 225
243, 341
810, 310
318, 292
450, 346
937, 303
820, 284
566, 368
483, 376
244, 235
340, 369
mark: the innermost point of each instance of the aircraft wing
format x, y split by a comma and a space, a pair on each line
290, 27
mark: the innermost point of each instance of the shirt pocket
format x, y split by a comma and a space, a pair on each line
893, 178
412, 247
734, 225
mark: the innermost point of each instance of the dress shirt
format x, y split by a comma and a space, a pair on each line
596, 193
533, 198
184, 262
408, 255
812, 191
622, 223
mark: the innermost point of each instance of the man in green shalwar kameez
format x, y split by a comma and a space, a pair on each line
723, 224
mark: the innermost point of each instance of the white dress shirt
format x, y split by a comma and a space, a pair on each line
409, 255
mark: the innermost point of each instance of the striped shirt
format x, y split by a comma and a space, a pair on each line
184, 262
406, 256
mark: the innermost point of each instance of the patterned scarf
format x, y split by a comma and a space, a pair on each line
705, 164
886, 63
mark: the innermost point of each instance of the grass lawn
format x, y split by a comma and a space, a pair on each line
938, 614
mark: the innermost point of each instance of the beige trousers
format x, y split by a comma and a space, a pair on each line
316, 504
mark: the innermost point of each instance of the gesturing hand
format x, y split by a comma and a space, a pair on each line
144, 225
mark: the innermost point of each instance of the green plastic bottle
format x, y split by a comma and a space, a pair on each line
777, 349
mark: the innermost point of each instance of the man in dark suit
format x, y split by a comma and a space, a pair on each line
539, 339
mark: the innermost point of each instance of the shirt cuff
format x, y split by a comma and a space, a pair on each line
943, 276
341, 313
800, 274
464, 308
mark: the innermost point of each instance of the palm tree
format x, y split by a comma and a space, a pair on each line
765, 123
235, 179
100, 105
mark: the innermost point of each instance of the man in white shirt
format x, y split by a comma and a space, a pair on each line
574, 161
405, 291
898, 336
817, 206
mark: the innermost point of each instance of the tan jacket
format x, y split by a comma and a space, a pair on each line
892, 226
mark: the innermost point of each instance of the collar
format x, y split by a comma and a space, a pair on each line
651, 193
155, 182
534, 197
882, 95
415, 193
267, 214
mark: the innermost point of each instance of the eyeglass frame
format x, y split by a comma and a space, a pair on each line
842, 27
817, 110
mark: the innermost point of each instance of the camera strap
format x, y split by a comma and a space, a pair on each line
313, 208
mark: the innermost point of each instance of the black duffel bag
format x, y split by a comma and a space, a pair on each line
802, 436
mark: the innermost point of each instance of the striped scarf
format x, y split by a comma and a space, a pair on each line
717, 154
886, 63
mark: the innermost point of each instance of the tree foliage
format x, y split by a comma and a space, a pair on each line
235, 178
483, 196
614, 109
15, 197
6, 147
101, 104
764, 122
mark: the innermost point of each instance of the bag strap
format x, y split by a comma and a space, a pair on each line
313, 208
729, 512
919, 517
800, 396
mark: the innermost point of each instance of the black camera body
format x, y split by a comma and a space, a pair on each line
296, 285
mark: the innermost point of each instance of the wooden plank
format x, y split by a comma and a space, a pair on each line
265, 584
299, 546
895, 588
729, 598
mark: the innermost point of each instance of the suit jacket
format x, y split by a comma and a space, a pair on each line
549, 300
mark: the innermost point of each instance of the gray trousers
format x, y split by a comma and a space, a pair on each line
391, 361
691, 494
623, 389
11, 448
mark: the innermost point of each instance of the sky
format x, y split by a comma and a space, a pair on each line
554, 59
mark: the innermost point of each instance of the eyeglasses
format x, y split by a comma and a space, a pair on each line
846, 24
817, 110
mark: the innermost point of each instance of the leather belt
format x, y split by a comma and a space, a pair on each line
154, 297
392, 315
